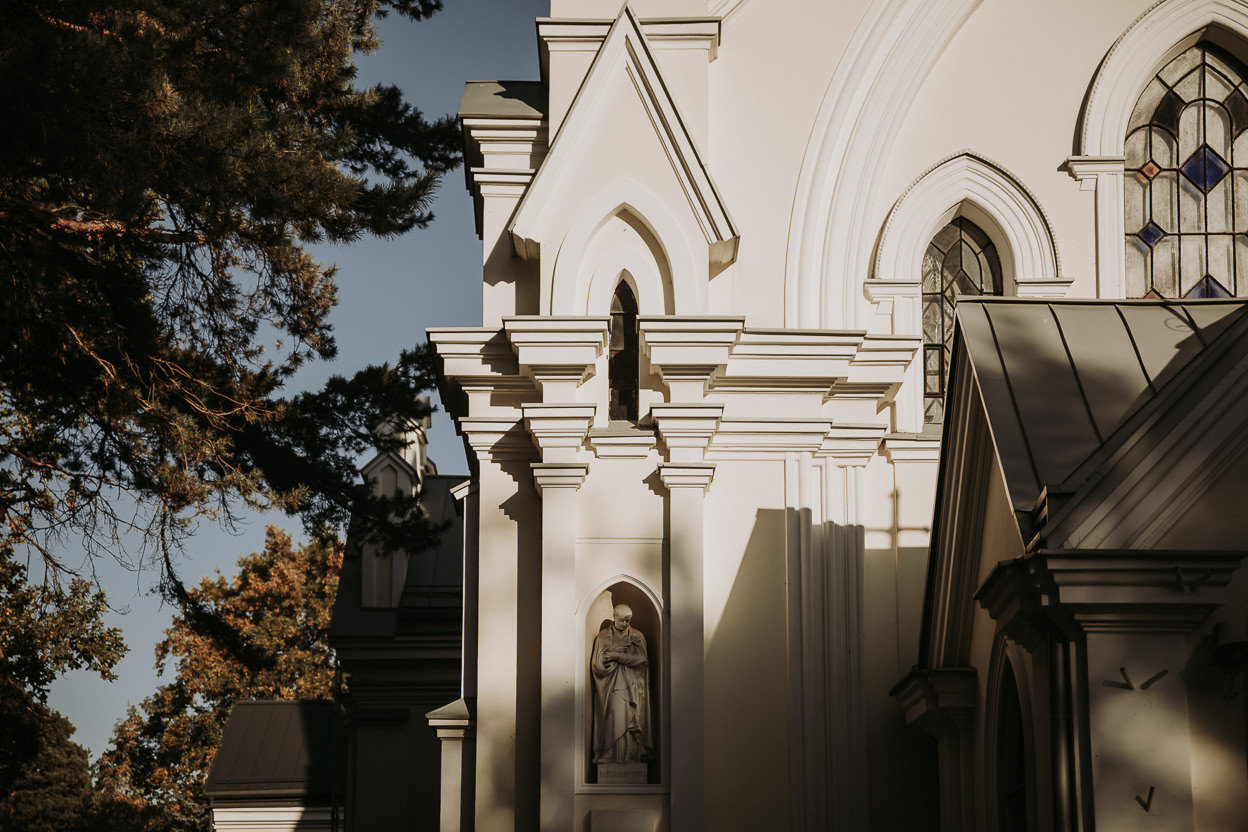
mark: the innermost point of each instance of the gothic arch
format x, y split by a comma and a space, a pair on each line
657, 256
1008, 663
973, 186
889, 57
1156, 36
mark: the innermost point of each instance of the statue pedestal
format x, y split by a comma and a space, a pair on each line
622, 774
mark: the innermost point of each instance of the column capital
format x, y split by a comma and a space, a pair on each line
695, 475
939, 700
851, 446
559, 475
686, 351
558, 353
687, 429
1089, 169
559, 430
496, 438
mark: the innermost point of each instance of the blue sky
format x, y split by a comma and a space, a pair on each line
389, 291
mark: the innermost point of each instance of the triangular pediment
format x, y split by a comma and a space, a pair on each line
623, 124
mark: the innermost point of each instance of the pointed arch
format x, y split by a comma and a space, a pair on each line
1152, 40
984, 192
889, 57
656, 254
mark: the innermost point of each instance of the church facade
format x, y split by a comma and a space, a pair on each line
722, 241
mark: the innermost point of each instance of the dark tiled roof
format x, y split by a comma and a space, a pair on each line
278, 749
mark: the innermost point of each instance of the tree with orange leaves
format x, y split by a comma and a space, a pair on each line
278, 608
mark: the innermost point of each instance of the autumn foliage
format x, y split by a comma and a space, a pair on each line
279, 605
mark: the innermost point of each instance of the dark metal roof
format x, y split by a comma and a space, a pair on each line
1057, 378
503, 99
278, 749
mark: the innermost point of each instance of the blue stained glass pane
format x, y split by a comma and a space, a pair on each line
1205, 168
1207, 287
1150, 233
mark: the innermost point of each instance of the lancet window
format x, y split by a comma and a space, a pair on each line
960, 260
622, 367
1186, 183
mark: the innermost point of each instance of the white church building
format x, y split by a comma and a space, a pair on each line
722, 241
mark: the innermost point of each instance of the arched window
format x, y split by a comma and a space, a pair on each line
622, 370
961, 260
1186, 183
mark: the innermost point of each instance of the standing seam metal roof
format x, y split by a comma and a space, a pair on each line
1057, 378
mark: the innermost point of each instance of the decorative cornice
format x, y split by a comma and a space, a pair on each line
558, 429
1106, 591
622, 443
686, 475
941, 700
559, 353
687, 429
558, 475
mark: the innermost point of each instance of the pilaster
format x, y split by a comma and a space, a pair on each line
557, 482
1103, 174
686, 488
1128, 613
456, 730
943, 702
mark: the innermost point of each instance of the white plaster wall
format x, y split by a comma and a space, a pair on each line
773, 69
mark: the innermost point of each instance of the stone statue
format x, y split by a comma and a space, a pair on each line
620, 669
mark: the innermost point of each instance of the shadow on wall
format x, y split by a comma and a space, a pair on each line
747, 753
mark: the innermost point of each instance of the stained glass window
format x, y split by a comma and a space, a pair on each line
622, 369
961, 260
1186, 183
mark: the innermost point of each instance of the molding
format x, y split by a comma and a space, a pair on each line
1160, 33
496, 439
889, 57
558, 430
788, 360
903, 449
1120, 591
622, 443
687, 429
624, 50
851, 446
941, 700
559, 353
767, 437
668, 285
971, 185
687, 351
558, 475
686, 475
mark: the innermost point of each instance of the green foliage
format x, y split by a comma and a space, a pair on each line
279, 607
45, 631
53, 791
163, 164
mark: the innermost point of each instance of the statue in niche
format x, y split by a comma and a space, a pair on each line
620, 668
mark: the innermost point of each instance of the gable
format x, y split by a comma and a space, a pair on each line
623, 142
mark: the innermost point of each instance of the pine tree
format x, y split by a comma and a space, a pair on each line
53, 792
279, 604
163, 165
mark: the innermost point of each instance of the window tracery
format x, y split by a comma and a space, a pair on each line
1186, 183
960, 260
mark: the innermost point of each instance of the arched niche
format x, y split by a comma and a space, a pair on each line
1009, 737
1149, 43
972, 186
596, 615
627, 228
